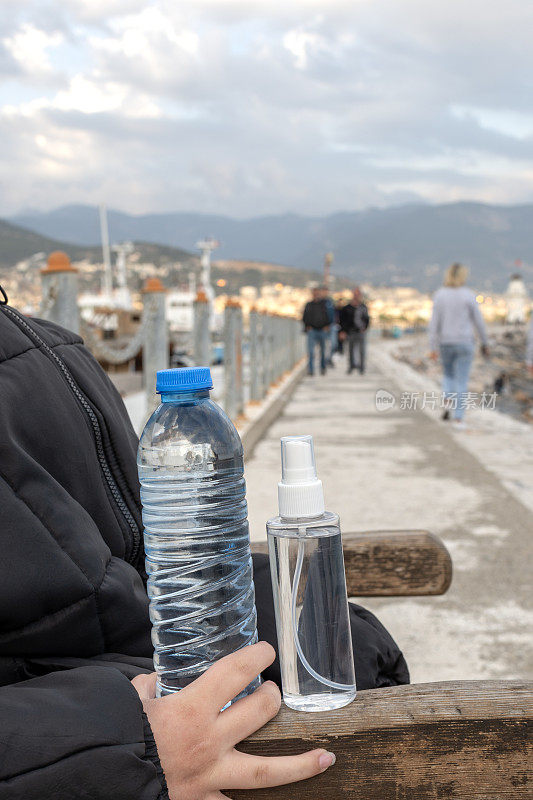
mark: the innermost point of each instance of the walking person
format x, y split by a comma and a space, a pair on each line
332, 337
451, 331
354, 321
316, 324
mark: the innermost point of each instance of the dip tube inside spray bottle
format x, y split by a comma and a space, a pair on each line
309, 586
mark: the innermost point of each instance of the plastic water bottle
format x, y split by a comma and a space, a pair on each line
196, 538
309, 585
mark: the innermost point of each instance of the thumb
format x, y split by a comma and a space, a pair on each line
145, 685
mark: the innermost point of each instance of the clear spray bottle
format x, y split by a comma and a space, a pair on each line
309, 585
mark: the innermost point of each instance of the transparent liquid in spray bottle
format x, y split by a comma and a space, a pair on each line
309, 585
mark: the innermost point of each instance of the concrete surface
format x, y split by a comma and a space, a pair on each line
407, 469
257, 416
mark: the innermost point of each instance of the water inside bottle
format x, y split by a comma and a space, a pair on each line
196, 541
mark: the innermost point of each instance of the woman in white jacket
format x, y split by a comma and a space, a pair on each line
451, 331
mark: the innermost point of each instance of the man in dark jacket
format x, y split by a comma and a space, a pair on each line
78, 716
354, 322
316, 320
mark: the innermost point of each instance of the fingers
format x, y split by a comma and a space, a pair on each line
249, 714
230, 675
145, 685
254, 772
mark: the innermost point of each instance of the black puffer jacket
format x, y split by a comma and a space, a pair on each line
72, 602
74, 626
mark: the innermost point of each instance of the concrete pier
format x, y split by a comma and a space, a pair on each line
401, 469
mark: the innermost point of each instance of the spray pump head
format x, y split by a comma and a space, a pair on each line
300, 492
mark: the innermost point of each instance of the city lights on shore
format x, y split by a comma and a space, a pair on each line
401, 306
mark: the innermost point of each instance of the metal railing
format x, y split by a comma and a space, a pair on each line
256, 357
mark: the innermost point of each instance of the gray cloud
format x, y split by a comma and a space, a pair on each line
262, 107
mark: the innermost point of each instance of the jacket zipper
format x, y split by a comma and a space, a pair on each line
82, 399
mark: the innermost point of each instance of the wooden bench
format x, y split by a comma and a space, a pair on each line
467, 740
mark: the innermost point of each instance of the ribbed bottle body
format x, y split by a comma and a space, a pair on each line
196, 539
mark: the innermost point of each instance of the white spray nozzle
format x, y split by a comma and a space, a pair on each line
297, 459
300, 492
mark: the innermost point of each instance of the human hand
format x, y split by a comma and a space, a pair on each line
342, 335
434, 356
196, 741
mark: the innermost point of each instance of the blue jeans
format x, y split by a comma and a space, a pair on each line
357, 341
456, 363
333, 337
315, 337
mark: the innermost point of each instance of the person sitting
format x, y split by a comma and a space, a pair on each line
78, 712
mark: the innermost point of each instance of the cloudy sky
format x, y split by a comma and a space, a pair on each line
247, 107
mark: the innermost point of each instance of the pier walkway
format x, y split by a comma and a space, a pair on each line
401, 469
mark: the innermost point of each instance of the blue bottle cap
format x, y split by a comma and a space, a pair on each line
183, 379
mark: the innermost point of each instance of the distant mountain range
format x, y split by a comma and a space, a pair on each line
18, 244
409, 244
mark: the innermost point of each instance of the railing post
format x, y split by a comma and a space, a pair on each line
201, 332
272, 365
271, 351
59, 282
233, 384
292, 351
255, 356
156, 342
278, 359
265, 356
261, 354
278, 362
286, 345
283, 346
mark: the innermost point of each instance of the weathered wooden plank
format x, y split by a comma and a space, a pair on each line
469, 740
393, 563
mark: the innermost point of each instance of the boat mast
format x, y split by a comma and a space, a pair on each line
328, 261
206, 247
122, 293
107, 278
